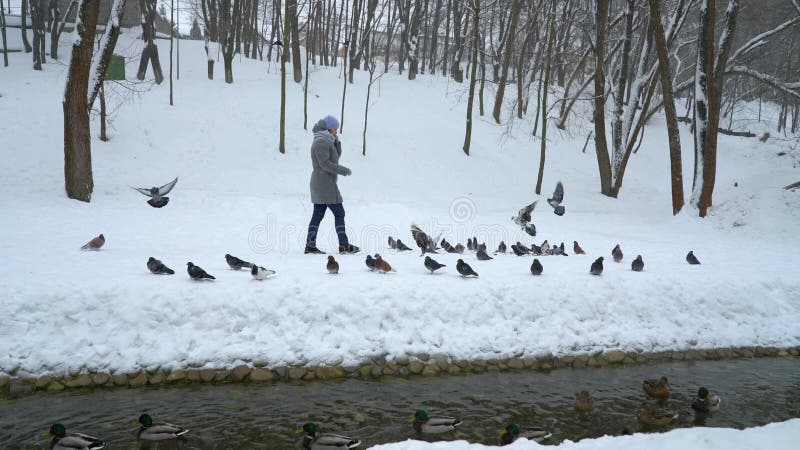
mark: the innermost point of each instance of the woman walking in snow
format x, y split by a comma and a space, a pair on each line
325, 153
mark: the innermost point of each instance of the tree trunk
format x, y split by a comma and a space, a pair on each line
77, 139
413, 40
435, 36
509, 53
24, 26
475, 49
58, 28
3, 35
599, 115
284, 56
455, 65
150, 51
107, 45
37, 17
353, 46
297, 66
547, 66
665, 74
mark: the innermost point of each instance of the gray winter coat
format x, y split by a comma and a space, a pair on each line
325, 153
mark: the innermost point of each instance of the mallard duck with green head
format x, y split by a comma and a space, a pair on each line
149, 431
314, 440
705, 402
656, 416
656, 388
513, 433
73, 441
584, 402
433, 425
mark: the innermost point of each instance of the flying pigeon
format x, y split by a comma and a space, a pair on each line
502, 247
236, 263
382, 266
536, 267
158, 193
158, 268
530, 229
597, 266
392, 243
424, 242
690, 258
401, 246
523, 217
197, 272
432, 265
370, 262
558, 197
260, 273
95, 243
332, 266
464, 269
637, 265
616, 252
577, 248
482, 255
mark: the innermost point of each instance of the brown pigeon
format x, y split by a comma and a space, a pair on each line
577, 248
95, 243
381, 265
332, 266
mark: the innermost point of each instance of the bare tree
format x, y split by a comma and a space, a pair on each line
476, 38
38, 11
547, 71
77, 140
24, 26
516, 5
284, 57
3, 34
150, 50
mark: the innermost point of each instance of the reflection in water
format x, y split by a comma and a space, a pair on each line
259, 416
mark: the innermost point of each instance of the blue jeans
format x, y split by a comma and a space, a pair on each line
319, 212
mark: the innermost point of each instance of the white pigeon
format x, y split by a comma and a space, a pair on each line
259, 273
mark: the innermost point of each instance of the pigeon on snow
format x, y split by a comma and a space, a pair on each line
95, 243
158, 194
637, 265
370, 262
690, 258
501, 248
381, 265
423, 241
464, 269
197, 272
432, 265
482, 255
392, 243
236, 263
536, 267
597, 266
158, 268
577, 248
401, 246
332, 266
616, 252
261, 273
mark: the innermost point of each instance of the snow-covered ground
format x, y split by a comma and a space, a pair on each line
62, 309
774, 436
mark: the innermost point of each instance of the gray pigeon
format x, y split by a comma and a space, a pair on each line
459, 248
432, 265
401, 246
423, 241
597, 266
523, 217
392, 243
464, 269
96, 243
545, 247
482, 255
690, 258
616, 252
530, 229
536, 250
158, 268
370, 262
536, 267
558, 197
448, 247
236, 263
469, 244
637, 265
158, 194
197, 272
501, 248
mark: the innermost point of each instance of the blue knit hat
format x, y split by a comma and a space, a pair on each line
331, 123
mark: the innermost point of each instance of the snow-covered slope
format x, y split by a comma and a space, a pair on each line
62, 309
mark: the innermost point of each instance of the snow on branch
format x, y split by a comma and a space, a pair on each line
792, 89
107, 44
760, 39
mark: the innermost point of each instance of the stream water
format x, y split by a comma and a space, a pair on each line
268, 416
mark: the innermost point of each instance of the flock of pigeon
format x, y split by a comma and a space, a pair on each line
422, 423
425, 243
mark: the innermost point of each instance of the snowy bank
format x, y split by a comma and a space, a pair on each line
774, 436
63, 311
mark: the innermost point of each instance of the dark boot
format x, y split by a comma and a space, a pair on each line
313, 249
348, 248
